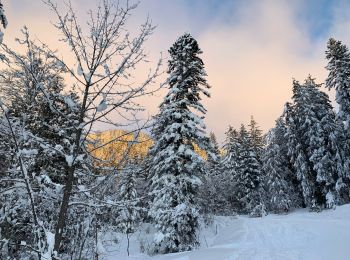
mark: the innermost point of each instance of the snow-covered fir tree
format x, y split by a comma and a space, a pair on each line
326, 147
297, 144
257, 137
258, 142
226, 195
176, 168
231, 146
339, 79
213, 154
3, 21
248, 177
314, 146
130, 213
276, 166
207, 197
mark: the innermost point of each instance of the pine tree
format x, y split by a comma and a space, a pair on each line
293, 147
339, 79
3, 21
326, 148
228, 202
231, 146
2, 16
217, 192
258, 143
129, 215
303, 120
207, 197
248, 177
176, 168
317, 153
281, 195
213, 152
256, 137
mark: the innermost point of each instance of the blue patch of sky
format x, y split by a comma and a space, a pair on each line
205, 12
316, 16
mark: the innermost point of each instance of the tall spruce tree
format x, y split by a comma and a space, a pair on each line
339, 79
325, 146
130, 214
231, 146
314, 146
276, 166
213, 154
217, 193
176, 167
257, 138
228, 172
248, 177
297, 144
208, 193
3, 21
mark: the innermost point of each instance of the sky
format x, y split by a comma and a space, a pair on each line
252, 49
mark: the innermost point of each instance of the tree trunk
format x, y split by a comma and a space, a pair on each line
61, 223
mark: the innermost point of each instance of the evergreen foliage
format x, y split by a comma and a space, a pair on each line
278, 171
338, 57
314, 146
129, 216
176, 168
248, 177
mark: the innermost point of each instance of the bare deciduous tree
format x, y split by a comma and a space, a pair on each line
106, 58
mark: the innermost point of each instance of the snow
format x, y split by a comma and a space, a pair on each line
71, 104
107, 71
103, 104
69, 159
298, 235
80, 70
50, 237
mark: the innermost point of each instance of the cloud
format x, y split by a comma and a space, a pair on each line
251, 64
252, 52
252, 49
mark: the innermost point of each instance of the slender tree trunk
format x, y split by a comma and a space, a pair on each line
128, 239
96, 241
64, 208
61, 223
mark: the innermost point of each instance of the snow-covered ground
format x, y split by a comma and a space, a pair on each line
298, 235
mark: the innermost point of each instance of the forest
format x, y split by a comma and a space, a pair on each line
67, 188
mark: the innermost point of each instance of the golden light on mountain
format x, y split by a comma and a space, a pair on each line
111, 148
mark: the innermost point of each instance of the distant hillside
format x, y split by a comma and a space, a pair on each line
118, 143
112, 153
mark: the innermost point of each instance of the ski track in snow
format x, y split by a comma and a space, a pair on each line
300, 235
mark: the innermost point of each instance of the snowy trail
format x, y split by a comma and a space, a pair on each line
296, 236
